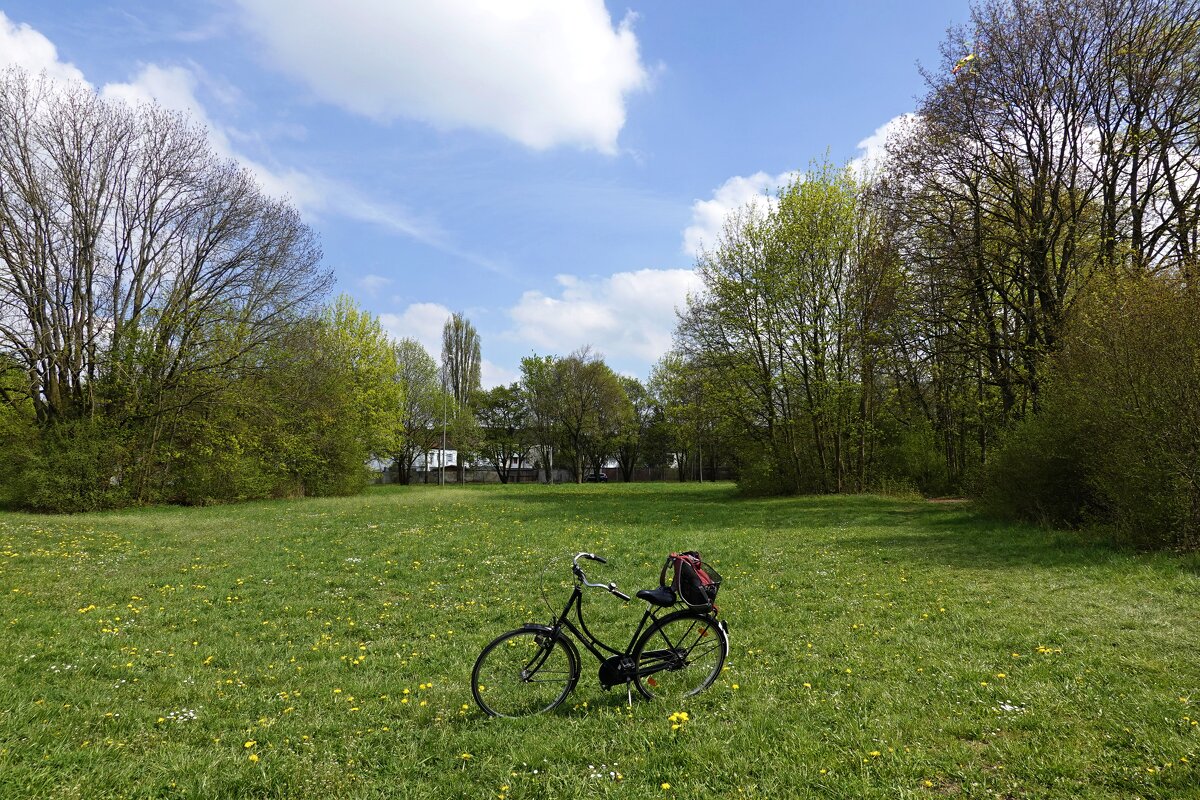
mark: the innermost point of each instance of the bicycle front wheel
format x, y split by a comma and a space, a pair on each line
681, 655
524, 672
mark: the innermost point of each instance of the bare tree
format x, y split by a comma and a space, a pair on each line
134, 263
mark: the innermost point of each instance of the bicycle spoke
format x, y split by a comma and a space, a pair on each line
694, 654
523, 672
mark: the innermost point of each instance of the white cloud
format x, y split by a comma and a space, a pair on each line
420, 321
541, 72
172, 87
372, 284
874, 147
22, 46
316, 195
708, 216
492, 375
629, 315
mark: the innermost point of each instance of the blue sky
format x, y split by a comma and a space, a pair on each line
548, 167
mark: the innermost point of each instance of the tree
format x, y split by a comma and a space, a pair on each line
632, 437
540, 392
591, 408
421, 412
131, 257
780, 347
363, 347
502, 415
144, 284
674, 381
461, 364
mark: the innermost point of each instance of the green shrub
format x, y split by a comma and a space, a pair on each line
78, 465
1117, 440
1037, 474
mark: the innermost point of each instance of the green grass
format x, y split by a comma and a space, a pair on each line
880, 649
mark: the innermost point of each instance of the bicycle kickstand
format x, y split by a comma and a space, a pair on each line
629, 694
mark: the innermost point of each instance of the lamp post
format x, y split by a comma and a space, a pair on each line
442, 457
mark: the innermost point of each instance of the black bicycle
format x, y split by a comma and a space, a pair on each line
673, 654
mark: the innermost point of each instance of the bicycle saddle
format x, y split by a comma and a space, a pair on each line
659, 596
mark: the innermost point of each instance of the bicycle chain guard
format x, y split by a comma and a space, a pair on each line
616, 670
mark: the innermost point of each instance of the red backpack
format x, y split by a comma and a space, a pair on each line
693, 581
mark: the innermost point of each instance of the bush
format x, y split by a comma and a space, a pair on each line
1037, 473
1117, 440
908, 459
73, 466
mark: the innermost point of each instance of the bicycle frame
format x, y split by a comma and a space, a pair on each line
594, 644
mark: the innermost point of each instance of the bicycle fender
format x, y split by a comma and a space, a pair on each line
536, 626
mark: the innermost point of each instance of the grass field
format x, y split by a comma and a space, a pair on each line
322, 648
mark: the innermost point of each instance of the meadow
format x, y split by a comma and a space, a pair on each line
880, 648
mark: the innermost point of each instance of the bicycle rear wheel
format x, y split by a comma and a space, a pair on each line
524, 672
681, 655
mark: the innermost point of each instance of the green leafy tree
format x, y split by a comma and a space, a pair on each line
359, 341
502, 414
461, 369
631, 439
591, 407
421, 411
540, 390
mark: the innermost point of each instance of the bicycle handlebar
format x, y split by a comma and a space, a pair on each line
609, 587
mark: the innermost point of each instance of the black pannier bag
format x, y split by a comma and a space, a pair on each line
693, 581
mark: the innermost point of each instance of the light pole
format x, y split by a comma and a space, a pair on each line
442, 457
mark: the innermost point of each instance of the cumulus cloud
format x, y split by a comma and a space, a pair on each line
709, 215
629, 315
874, 147
420, 321
22, 46
541, 72
492, 375
172, 87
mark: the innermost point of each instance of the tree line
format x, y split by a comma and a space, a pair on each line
166, 335
1006, 306
568, 413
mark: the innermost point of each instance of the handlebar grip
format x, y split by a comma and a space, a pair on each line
594, 557
621, 595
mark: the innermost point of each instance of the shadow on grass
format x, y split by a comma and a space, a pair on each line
963, 537
954, 534
704, 507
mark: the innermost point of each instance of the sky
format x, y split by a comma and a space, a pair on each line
550, 168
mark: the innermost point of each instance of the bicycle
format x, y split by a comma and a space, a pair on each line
672, 654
